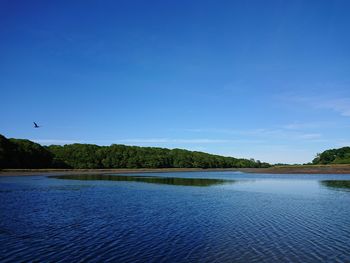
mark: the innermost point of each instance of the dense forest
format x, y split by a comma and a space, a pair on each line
19, 153
16, 153
333, 156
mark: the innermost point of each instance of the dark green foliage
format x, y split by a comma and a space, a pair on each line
345, 184
147, 179
6, 149
76, 155
26, 154
121, 156
16, 153
333, 156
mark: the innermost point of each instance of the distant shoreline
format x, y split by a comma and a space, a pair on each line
295, 169
23, 172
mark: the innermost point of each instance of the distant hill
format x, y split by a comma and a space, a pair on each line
19, 153
333, 156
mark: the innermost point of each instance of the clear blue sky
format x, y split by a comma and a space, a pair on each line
268, 80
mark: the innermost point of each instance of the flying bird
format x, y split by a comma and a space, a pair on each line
36, 125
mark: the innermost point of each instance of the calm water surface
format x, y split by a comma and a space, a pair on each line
175, 217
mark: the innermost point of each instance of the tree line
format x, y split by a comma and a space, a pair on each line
333, 156
20, 153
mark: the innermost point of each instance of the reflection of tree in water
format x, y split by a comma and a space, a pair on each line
340, 184
147, 179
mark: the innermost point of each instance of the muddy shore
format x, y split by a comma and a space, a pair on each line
296, 169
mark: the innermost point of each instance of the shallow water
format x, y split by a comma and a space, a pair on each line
175, 217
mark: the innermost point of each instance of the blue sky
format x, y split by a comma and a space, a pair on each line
259, 79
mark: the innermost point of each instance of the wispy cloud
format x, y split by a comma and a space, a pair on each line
341, 105
168, 140
310, 136
146, 141
290, 132
56, 141
335, 104
307, 125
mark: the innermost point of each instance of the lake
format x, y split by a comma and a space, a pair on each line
175, 217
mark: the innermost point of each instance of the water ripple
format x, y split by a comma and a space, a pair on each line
72, 221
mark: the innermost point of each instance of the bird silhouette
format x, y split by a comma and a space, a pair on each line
36, 125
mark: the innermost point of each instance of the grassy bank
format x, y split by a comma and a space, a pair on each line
306, 169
